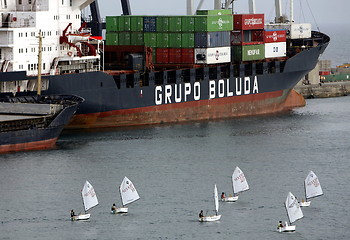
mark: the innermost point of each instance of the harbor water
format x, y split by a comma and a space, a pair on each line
175, 167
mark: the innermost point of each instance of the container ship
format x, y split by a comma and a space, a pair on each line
206, 65
34, 122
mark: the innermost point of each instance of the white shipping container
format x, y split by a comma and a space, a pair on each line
278, 49
294, 31
212, 55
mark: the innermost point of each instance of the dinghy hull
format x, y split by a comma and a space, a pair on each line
210, 218
304, 204
230, 199
81, 217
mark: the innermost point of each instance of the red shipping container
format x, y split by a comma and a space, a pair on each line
162, 55
248, 21
247, 37
272, 36
175, 55
322, 73
187, 55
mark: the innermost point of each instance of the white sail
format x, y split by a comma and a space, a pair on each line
128, 192
312, 186
239, 182
293, 208
89, 196
216, 198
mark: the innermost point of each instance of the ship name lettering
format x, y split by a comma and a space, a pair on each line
183, 92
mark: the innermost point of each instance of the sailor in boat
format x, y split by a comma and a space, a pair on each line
280, 225
72, 214
114, 208
223, 196
201, 215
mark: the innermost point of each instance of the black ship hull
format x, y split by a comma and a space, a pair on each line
23, 132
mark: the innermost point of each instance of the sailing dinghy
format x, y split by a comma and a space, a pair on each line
239, 184
312, 188
128, 195
215, 217
294, 213
89, 201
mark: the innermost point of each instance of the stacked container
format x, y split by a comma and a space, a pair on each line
175, 39
212, 36
275, 43
247, 39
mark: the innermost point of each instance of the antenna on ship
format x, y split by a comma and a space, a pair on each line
40, 37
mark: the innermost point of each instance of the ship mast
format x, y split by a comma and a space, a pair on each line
39, 62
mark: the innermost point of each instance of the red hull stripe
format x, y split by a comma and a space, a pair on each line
213, 102
39, 145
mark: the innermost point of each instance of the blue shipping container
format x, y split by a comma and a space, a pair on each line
149, 24
212, 39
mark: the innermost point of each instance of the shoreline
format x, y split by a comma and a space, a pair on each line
324, 90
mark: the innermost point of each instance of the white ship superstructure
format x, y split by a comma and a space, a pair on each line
67, 47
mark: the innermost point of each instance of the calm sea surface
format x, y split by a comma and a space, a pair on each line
175, 167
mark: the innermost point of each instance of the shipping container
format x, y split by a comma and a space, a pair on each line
136, 23
187, 23
162, 24
248, 21
213, 23
175, 40
323, 73
162, 55
248, 52
211, 39
278, 35
175, 55
124, 38
149, 24
294, 31
112, 38
277, 49
137, 39
124, 23
214, 12
247, 37
175, 23
212, 55
187, 40
187, 55
112, 24
150, 39
162, 40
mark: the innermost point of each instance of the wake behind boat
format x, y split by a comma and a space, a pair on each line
89, 201
294, 213
128, 195
212, 218
239, 184
312, 188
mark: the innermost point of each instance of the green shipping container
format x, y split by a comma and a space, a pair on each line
162, 40
213, 23
136, 23
112, 24
112, 38
136, 39
248, 52
187, 40
162, 24
154, 55
214, 12
175, 40
187, 23
150, 39
124, 38
175, 24
124, 23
